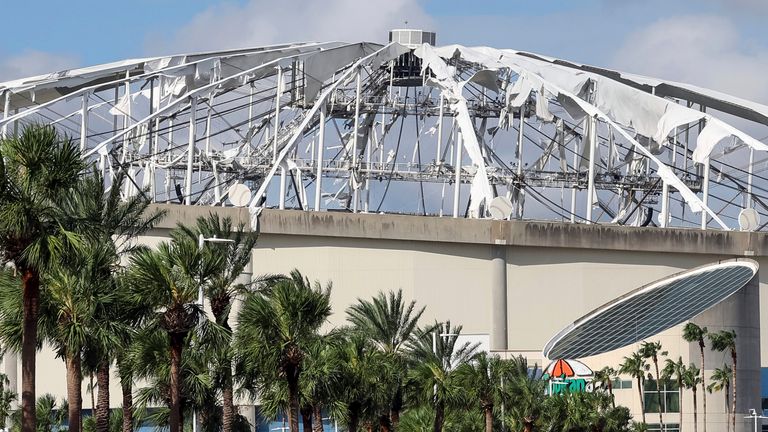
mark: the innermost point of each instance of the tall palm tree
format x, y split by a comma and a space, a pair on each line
604, 377
721, 381
635, 366
276, 327
691, 380
693, 333
481, 377
168, 280
725, 340
37, 168
676, 370
222, 289
390, 322
652, 351
438, 355
110, 224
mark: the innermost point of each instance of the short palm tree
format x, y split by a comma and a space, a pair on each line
721, 381
604, 377
276, 328
652, 351
37, 169
390, 322
438, 356
525, 394
692, 380
676, 370
693, 333
725, 340
635, 366
168, 280
482, 379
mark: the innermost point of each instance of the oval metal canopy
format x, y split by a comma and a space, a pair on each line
650, 310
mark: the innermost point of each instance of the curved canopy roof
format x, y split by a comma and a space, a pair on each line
651, 309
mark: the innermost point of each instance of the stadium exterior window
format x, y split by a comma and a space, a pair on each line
669, 396
668, 427
620, 384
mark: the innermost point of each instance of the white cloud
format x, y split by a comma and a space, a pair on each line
30, 63
704, 50
262, 22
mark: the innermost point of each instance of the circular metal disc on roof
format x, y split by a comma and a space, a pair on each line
650, 310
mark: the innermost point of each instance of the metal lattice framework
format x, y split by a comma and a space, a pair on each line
410, 128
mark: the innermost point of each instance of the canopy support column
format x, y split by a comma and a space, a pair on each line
592, 122
84, 122
457, 179
6, 108
705, 198
353, 182
320, 147
190, 150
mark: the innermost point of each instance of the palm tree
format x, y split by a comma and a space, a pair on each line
691, 380
652, 350
38, 167
525, 393
694, 333
604, 377
7, 396
635, 366
435, 378
277, 327
721, 381
725, 340
390, 322
168, 280
221, 290
481, 377
676, 370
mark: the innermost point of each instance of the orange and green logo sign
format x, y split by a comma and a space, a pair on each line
568, 376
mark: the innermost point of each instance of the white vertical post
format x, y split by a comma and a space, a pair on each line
84, 122
190, 150
749, 177
576, 171
320, 147
356, 132
283, 187
208, 127
592, 122
277, 112
457, 180
674, 147
250, 107
520, 137
705, 199
438, 158
6, 108
368, 167
664, 216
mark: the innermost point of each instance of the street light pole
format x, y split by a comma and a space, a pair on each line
754, 416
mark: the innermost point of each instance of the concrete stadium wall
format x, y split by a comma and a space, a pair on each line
553, 273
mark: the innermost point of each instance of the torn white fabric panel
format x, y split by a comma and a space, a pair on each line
675, 116
542, 106
320, 66
487, 78
714, 132
518, 94
481, 190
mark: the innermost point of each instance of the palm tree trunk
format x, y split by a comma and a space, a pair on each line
292, 377
695, 412
353, 421
227, 396
397, 406
384, 425
306, 418
733, 401
317, 418
102, 404
640, 393
177, 345
658, 393
610, 392
93, 392
31, 286
74, 391
127, 406
527, 426
703, 383
727, 406
488, 410
439, 417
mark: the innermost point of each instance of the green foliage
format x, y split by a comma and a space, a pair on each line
51, 416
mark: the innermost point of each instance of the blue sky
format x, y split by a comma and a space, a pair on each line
716, 43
